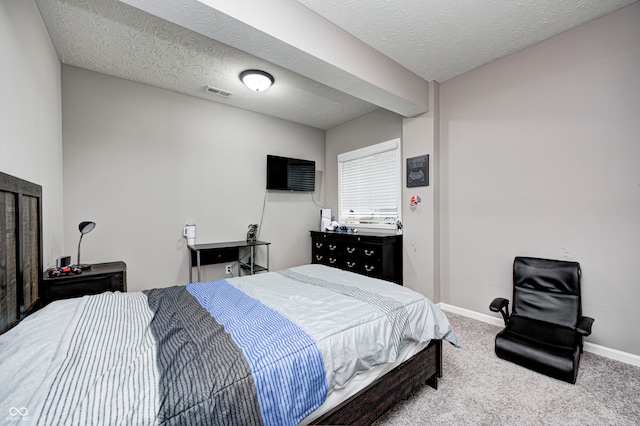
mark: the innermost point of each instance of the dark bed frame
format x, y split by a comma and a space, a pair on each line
20, 249
373, 401
21, 281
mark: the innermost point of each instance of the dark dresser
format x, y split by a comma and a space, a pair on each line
366, 253
101, 277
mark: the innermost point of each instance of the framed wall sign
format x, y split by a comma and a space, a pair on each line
418, 171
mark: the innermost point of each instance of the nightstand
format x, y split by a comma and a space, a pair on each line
101, 277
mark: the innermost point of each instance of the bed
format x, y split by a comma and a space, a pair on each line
309, 344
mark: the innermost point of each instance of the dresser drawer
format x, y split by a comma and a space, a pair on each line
86, 286
364, 267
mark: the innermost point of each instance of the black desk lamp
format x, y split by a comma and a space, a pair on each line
84, 227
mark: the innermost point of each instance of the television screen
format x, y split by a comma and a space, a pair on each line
290, 174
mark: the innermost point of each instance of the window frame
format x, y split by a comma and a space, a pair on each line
390, 145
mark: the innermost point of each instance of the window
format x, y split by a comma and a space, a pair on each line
369, 185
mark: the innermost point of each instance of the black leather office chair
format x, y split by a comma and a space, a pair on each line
546, 328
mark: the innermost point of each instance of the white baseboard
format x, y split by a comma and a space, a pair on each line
589, 347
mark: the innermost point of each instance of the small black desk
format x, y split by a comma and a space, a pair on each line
207, 254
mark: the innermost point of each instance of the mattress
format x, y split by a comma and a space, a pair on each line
101, 359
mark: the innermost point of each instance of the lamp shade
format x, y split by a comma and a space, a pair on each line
257, 80
86, 227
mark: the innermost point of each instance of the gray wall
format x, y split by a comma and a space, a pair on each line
30, 112
141, 162
540, 156
421, 233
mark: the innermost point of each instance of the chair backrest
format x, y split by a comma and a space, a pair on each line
547, 290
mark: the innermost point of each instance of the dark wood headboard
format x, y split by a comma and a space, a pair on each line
20, 249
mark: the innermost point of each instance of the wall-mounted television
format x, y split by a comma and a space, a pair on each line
290, 174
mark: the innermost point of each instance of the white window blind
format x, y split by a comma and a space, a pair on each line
369, 185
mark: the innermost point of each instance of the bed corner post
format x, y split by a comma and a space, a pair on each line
433, 380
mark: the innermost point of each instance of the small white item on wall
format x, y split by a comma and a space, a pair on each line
415, 200
325, 219
189, 232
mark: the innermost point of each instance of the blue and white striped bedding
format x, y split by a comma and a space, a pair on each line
209, 352
286, 362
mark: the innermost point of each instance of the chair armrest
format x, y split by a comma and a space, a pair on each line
501, 305
498, 303
584, 325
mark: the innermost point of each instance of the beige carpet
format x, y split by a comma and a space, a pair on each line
477, 388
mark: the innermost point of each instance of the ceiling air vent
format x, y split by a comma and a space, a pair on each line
218, 92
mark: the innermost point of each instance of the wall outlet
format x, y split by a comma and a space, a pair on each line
227, 269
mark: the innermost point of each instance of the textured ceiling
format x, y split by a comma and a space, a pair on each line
441, 39
113, 38
436, 39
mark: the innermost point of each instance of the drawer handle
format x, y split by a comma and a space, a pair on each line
332, 260
369, 252
318, 257
369, 268
332, 247
351, 249
351, 264
318, 245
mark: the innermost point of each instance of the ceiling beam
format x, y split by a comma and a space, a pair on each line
288, 34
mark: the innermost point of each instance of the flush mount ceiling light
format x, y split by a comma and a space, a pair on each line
256, 80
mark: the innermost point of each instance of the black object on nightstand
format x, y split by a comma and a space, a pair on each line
101, 277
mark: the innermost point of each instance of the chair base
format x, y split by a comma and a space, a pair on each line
556, 362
